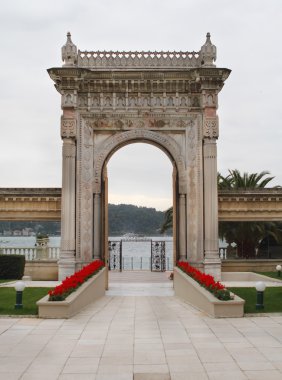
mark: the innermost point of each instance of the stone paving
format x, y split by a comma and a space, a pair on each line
141, 338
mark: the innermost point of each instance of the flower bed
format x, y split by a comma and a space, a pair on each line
70, 284
206, 280
90, 291
191, 291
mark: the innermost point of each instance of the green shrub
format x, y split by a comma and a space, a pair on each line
12, 266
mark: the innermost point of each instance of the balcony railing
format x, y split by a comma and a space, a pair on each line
33, 253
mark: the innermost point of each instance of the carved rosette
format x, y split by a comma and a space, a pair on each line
68, 128
210, 127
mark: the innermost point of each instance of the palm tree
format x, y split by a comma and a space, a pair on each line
235, 180
246, 235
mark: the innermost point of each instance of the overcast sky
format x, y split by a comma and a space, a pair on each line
247, 34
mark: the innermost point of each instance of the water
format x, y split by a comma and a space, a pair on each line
136, 255
26, 241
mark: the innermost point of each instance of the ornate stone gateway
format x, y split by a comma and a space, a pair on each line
111, 99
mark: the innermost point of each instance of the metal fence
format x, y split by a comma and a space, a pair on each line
157, 255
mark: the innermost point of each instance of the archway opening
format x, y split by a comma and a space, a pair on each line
141, 187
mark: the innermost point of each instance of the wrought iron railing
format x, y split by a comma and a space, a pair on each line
143, 263
156, 256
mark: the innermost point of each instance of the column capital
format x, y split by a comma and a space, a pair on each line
68, 128
210, 127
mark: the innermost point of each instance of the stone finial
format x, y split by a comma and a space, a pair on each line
69, 52
208, 53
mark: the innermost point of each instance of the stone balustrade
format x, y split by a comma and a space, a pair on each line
135, 59
33, 253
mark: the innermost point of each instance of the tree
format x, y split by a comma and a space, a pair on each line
246, 235
168, 220
235, 180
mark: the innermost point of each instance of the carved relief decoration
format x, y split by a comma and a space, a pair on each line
210, 127
69, 99
110, 101
192, 183
68, 128
85, 192
210, 99
148, 121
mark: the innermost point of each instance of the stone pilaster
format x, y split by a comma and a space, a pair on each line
97, 226
182, 227
212, 263
67, 254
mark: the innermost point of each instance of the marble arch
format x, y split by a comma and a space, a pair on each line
110, 99
113, 143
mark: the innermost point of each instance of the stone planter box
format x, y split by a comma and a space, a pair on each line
88, 292
189, 290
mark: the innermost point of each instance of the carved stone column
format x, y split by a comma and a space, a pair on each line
212, 263
67, 254
182, 227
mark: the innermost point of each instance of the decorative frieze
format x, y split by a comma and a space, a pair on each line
116, 101
148, 121
210, 127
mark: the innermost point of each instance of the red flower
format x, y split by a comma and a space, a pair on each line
205, 280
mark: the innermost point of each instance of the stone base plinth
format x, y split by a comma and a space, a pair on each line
66, 268
213, 267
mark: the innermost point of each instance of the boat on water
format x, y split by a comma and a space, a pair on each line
130, 236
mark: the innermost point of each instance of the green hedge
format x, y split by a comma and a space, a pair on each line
12, 266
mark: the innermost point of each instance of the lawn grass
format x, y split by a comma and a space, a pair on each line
2, 281
270, 274
30, 297
272, 299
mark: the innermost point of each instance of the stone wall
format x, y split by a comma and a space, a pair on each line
40, 270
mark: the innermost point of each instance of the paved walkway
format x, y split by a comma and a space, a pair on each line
127, 335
